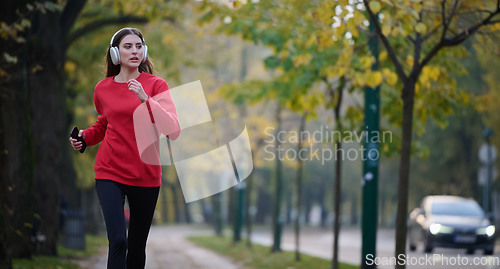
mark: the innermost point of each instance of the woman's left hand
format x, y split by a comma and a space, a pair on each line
136, 87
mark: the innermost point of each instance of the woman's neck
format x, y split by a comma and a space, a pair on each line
127, 74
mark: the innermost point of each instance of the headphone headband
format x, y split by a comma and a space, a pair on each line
113, 37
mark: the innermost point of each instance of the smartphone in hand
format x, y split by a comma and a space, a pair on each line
74, 134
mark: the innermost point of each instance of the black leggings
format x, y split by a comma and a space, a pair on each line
142, 203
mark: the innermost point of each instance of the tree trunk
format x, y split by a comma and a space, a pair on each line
299, 189
16, 179
175, 197
94, 218
308, 206
354, 210
5, 220
337, 199
249, 217
51, 152
321, 192
53, 168
404, 170
277, 221
50, 125
338, 172
382, 217
230, 206
16, 149
263, 202
248, 213
217, 213
187, 213
164, 195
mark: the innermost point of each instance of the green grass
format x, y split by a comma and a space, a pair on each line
260, 257
93, 244
43, 262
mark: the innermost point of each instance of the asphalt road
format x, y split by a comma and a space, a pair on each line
319, 242
168, 248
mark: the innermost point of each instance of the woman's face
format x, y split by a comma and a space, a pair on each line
131, 51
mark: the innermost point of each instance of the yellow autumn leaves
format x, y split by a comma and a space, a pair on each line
401, 17
373, 79
375, 6
339, 25
364, 75
390, 77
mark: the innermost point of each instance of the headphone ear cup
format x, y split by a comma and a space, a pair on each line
144, 53
115, 55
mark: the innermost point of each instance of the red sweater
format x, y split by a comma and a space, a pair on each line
118, 156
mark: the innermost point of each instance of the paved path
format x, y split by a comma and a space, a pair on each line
318, 242
168, 248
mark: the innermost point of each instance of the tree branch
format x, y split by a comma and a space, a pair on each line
412, 40
100, 23
453, 12
445, 21
418, 68
430, 33
69, 15
339, 100
458, 38
418, 49
462, 36
390, 50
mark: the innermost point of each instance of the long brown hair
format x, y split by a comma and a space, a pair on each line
113, 70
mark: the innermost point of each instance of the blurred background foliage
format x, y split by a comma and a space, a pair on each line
252, 56
194, 46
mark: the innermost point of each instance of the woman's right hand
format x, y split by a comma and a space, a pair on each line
75, 143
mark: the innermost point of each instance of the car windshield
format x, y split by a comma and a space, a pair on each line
462, 208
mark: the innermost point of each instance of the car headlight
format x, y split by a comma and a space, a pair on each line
437, 228
489, 231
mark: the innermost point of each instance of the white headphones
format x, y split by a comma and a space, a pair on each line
115, 53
